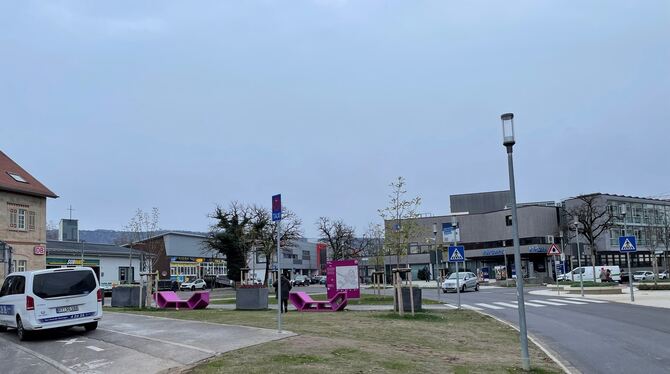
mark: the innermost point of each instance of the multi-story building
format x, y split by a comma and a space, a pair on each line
646, 218
23, 210
484, 228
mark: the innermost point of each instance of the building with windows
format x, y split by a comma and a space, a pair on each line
111, 263
299, 259
182, 256
647, 219
484, 228
23, 209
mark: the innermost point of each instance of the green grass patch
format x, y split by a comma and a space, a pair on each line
366, 341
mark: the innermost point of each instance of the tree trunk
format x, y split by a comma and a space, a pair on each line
267, 271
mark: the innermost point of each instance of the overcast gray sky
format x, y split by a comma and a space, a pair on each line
182, 105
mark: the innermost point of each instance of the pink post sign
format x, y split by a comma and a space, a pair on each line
342, 276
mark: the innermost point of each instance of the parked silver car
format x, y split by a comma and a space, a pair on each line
643, 275
466, 280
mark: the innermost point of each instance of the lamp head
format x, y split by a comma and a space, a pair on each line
508, 129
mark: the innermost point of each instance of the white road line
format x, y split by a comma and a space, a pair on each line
466, 306
161, 341
588, 300
569, 301
451, 306
94, 348
526, 303
42, 357
489, 306
548, 302
506, 304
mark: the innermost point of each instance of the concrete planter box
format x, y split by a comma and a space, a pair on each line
595, 290
127, 297
251, 299
406, 306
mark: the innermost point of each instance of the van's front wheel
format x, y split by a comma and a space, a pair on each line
20, 331
91, 326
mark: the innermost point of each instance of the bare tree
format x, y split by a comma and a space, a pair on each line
664, 236
400, 218
375, 249
340, 237
652, 237
595, 219
263, 233
142, 226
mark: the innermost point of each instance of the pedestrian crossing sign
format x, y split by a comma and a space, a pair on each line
554, 250
627, 244
456, 253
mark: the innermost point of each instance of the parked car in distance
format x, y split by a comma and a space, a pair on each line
106, 288
223, 281
316, 279
663, 275
322, 280
466, 280
300, 280
643, 275
167, 285
198, 284
52, 298
587, 273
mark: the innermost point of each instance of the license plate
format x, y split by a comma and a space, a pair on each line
67, 309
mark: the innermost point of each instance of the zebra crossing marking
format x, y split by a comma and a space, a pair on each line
451, 306
569, 301
548, 302
527, 303
588, 300
489, 306
506, 304
466, 306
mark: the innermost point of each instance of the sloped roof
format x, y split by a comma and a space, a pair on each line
29, 185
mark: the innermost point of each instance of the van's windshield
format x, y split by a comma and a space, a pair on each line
64, 283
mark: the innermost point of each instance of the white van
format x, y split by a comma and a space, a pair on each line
587, 273
47, 299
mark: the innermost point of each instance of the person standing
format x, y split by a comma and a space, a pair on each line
285, 288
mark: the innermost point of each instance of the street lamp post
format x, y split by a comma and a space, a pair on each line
437, 262
579, 259
508, 141
82, 253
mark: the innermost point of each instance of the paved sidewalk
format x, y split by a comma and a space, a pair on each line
658, 299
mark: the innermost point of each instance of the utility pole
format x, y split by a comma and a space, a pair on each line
579, 259
454, 225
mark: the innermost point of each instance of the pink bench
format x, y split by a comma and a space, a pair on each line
169, 299
304, 303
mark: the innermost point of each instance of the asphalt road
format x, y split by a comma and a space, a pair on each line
125, 343
592, 336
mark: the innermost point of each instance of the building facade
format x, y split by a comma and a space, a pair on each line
111, 263
647, 219
182, 256
299, 259
484, 228
23, 209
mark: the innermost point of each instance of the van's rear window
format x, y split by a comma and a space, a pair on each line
64, 283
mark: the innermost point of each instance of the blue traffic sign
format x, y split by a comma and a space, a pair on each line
276, 207
627, 244
456, 253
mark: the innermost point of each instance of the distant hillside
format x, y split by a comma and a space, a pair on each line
101, 236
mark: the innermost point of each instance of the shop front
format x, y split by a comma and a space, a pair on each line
184, 269
62, 262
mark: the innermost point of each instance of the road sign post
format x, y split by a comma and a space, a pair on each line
628, 244
457, 255
276, 216
555, 251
